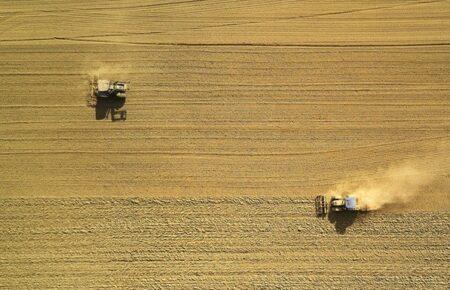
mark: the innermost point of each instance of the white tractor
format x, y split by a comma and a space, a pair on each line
108, 92
338, 203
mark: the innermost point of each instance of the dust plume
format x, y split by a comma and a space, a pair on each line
399, 184
107, 70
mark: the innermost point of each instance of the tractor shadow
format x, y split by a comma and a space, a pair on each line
104, 106
343, 220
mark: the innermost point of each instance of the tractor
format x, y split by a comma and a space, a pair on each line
344, 203
108, 97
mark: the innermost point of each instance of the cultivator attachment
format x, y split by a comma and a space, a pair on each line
91, 99
321, 206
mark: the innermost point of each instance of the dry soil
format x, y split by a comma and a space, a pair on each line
239, 113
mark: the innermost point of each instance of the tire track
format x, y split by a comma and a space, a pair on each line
229, 153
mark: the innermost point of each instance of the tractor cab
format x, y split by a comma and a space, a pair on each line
347, 203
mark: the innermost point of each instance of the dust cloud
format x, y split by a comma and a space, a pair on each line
400, 184
103, 70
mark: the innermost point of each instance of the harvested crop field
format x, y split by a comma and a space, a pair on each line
215, 243
239, 113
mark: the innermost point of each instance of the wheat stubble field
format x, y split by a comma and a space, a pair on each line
240, 112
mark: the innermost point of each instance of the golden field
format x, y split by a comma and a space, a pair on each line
239, 113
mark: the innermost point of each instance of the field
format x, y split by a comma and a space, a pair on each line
239, 113
215, 243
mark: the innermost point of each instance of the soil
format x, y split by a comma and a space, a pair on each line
216, 243
239, 113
